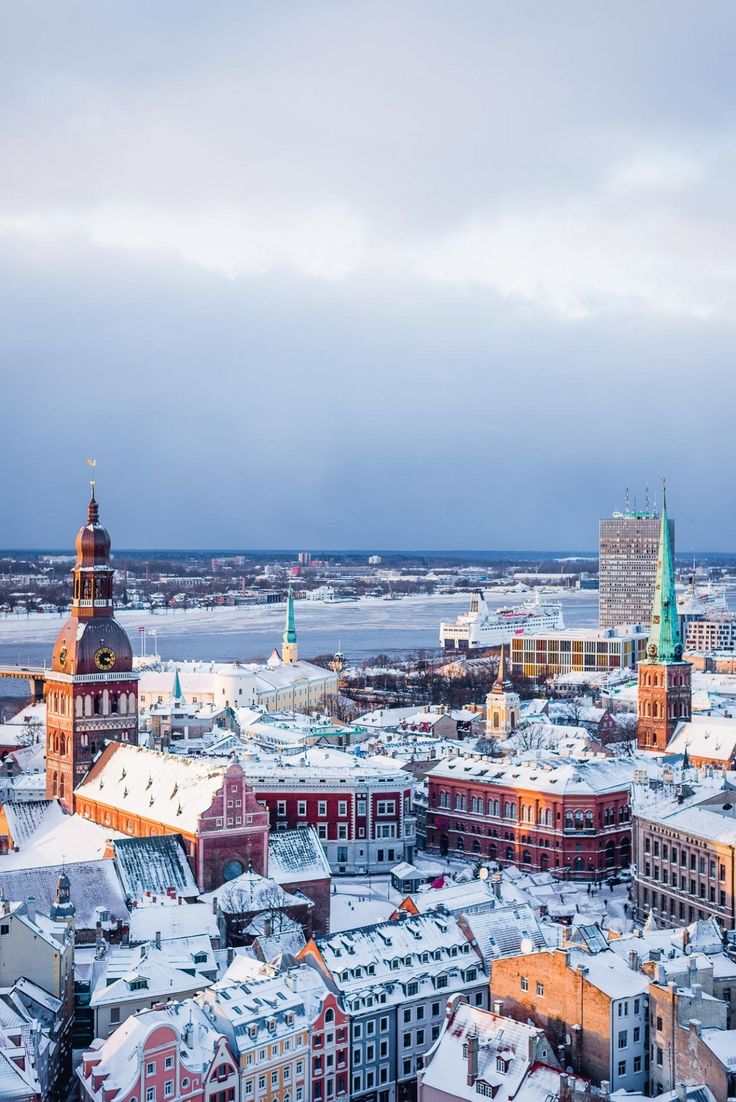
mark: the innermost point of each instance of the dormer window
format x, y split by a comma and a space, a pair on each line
502, 1064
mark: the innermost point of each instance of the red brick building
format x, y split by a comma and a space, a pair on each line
360, 809
91, 691
568, 816
144, 793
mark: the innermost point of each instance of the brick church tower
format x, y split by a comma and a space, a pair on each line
91, 692
665, 690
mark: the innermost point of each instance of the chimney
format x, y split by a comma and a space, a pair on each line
98, 940
31, 907
682, 1092
267, 926
605, 1088
685, 940
158, 939
179, 900
697, 990
472, 1059
695, 1026
633, 960
498, 1006
214, 905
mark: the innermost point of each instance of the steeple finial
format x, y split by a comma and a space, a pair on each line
93, 512
665, 644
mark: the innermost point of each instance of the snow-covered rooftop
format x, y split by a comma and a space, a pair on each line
172, 789
154, 865
297, 856
545, 772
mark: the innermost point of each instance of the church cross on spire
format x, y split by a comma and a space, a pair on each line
665, 643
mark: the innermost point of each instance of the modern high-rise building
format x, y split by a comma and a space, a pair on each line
629, 542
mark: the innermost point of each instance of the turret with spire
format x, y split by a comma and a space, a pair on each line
290, 648
502, 704
665, 693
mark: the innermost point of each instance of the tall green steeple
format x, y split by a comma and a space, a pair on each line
290, 629
665, 644
289, 649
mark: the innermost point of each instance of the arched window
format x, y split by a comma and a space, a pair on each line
88, 705
329, 1016
123, 704
588, 820
495, 719
55, 784
476, 846
105, 702
62, 786
460, 845
509, 853
78, 705
526, 857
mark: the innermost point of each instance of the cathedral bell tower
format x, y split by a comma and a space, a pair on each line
665, 691
91, 691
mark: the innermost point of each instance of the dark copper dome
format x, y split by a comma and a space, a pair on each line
81, 641
92, 542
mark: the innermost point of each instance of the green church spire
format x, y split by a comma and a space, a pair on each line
176, 693
290, 629
665, 644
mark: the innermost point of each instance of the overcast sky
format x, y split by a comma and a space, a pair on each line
403, 274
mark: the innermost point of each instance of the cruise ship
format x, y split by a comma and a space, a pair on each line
482, 627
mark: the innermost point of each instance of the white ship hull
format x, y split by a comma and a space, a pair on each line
482, 627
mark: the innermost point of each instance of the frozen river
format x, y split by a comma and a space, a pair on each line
359, 628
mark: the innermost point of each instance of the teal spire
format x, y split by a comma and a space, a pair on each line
290, 629
665, 644
176, 693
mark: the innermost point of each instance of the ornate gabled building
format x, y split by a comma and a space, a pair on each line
91, 691
665, 689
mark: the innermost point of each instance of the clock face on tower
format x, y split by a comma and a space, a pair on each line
105, 658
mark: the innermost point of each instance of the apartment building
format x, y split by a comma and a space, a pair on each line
591, 1004
171, 1053
394, 979
266, 1025
685, 856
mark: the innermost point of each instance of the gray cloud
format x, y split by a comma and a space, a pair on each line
370, 274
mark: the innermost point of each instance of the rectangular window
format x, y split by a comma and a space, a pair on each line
281, 807
301, 807
342, 808
322, 808
623, 1038
150, 1069
637, 1063
524, 983
622, 1067
169, 1088
540, 988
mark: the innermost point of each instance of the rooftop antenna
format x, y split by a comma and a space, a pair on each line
646, 498
626, 501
